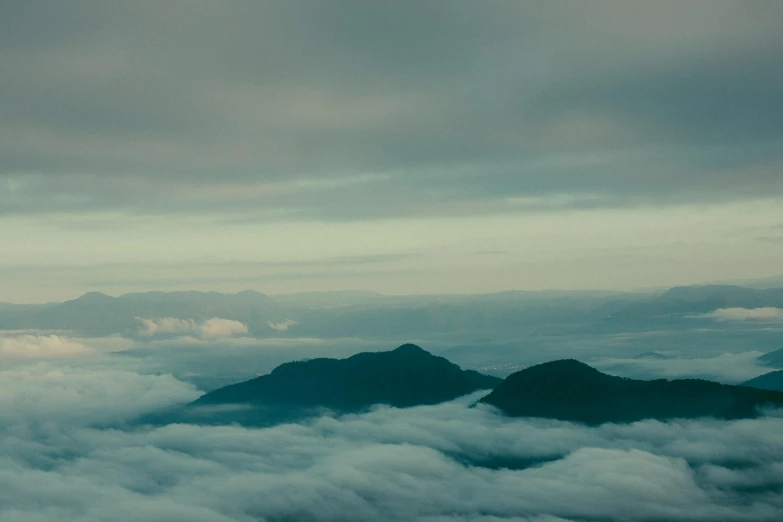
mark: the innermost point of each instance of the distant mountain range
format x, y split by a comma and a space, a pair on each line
314, 314
573, 391
368, 314
700, 299
95, 313
409, 376
652, 355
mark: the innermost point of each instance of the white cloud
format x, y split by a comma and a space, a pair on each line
15, 346
19, 346
214, 328
41, 347
282, 326
166, 325
768, 314
391, 464
54, 394
433, 463
726, 367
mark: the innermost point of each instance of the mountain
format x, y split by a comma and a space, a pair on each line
772, 359
96, 313
335, 299
11, 308
700, 299
316, 314
404, 377
768, 381
775, 281
652, 355
571, 390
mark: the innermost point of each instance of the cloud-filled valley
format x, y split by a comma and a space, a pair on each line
426, 463
73, 447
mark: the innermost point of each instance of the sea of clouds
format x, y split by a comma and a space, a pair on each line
71, 450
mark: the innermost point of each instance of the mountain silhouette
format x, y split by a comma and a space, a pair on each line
768, 381
404, 377
652, 355
573, 391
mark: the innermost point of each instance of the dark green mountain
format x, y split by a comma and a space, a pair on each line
573, 391
407, 376
768, 381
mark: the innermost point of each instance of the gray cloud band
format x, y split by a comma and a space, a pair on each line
451, 108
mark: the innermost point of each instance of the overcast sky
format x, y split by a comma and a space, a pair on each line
405, 146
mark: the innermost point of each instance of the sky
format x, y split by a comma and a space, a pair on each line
404, 147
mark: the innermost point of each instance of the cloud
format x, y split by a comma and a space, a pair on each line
767, 314
21, 345
428, 463
41, 347
217, 328
342, 115
214, 328
730, 368
283, 326
61, 396
69, 451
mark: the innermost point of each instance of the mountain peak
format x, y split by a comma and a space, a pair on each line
93, 296
562, 368
410, 348
406, 376
250, 292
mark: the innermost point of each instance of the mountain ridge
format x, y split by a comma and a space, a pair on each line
570, 390
96, 313
403, 377
769, 381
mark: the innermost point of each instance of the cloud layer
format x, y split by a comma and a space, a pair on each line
41, 347
56, 397
346, 109
731, 368
70, 451
214, 328
767, 314
430, 463
21, 346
